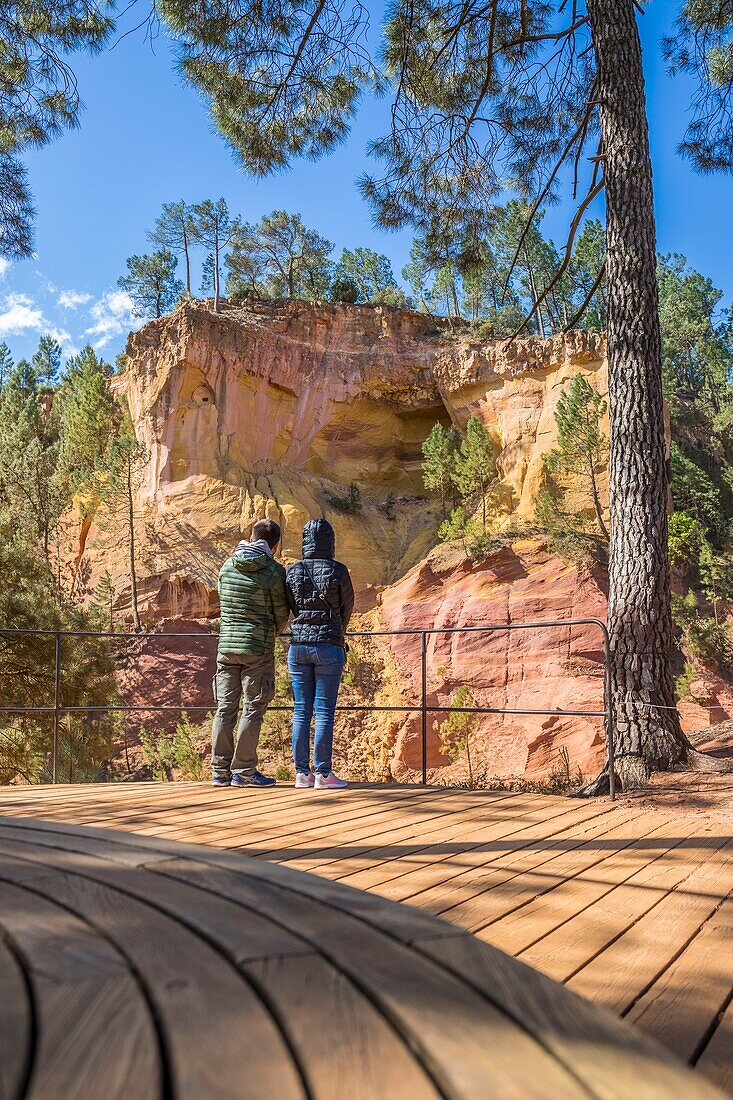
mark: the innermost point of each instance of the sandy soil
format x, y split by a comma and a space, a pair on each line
688, 792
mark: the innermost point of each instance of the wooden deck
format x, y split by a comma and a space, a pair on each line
628, 907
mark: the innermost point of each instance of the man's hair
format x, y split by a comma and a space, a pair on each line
268, 530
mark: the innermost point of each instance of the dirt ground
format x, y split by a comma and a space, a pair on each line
688, 792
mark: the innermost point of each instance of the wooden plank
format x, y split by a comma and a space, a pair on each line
461, 1037
428, 886
564, 950
716, 1061
684, 1003
94, 1033
622, 973
309, 996
454, 834
611, 1059
422, 822
546, 895
523, 850
15, 1026
203, 1004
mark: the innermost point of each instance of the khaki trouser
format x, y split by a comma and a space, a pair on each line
251, 679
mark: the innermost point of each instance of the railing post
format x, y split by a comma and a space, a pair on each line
424, 705
56, 705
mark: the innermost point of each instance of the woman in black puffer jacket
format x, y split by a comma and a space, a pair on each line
321, 598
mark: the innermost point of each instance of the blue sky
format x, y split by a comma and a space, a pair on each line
145, 139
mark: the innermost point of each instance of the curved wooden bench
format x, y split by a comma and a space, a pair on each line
133, 967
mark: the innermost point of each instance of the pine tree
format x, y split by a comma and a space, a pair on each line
456, 733
152, 283
30, 492
586, 275
213, 228
283, 256
208, 286
173, 233
369, 271
6, 364
582, 448
89, 418
47, 362
246, 277
440, 456
126, 464
702, 46
39, 97
475, 472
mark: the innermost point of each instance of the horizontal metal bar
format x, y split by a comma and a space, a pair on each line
289, 706
412, 631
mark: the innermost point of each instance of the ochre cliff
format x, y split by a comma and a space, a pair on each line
277, 408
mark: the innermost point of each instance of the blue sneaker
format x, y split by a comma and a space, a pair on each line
256, 779
220, 781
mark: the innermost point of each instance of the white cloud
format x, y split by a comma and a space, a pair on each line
4, 267
113, 315
18, 314
72, 299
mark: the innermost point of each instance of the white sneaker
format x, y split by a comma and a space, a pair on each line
304, 779
329, 782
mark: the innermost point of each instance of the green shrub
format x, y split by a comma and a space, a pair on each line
686, 537
187, 750
704, 638
157, 753
349, 505
456, 732
181, 752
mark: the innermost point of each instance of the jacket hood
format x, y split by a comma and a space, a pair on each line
319, 540
249, 558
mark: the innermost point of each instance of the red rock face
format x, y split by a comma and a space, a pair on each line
165, 671
542, 669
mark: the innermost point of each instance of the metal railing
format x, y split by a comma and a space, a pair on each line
424, 709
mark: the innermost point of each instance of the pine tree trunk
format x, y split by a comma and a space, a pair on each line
188, 264
648, 732
133, 574
216, 275
602, 529
535, 295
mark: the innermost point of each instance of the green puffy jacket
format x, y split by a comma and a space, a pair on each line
254, 606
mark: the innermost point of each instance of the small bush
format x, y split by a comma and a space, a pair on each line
181, 752
157, 754
349, 505
187, 750
685, 541
388, 506
704, 637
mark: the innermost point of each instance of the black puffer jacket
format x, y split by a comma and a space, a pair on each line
322, 605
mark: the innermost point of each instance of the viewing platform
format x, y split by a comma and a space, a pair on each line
628, 906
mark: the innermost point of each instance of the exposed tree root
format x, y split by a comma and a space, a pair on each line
599, 786
633, 774
703, 762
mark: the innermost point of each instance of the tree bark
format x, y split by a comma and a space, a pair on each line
186, 251
216, 274
648, 732
600, 523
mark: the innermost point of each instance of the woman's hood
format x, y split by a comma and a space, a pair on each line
319, 540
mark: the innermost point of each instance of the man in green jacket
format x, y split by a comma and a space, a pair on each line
254, 610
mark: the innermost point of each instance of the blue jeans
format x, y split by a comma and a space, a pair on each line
315, 673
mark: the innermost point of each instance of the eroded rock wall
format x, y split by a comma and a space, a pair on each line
276, 408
